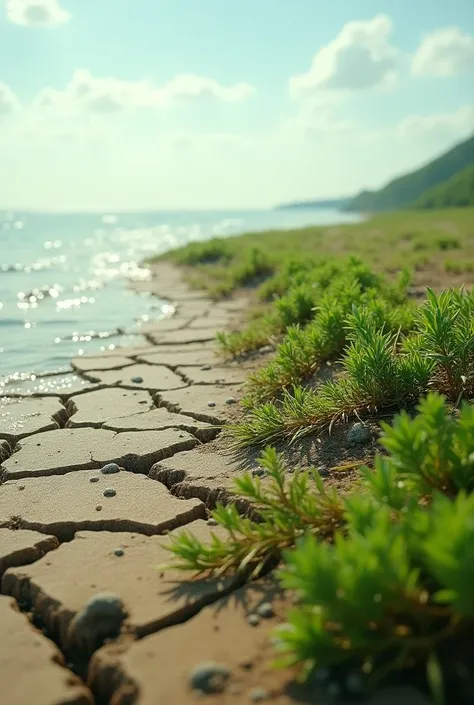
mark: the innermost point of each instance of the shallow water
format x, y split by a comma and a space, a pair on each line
63, 278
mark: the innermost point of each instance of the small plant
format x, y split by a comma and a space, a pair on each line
384, 575
288, 506
380, 372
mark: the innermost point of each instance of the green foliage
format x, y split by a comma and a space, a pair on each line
287, 508
380, 371
383, 576
456, 192
405, 190
318, 298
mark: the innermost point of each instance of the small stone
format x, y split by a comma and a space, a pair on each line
137, 380
110, 469
110, 492
265, 610
231, 400
206, 368
359, 434
209, 677
94, 479
211, 404
100, 619
258, 472
258, 695
98, 508
211, 522
119, 552
21, 487
253, 620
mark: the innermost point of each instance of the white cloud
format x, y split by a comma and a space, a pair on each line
360, 57
443, 53
88, 93
9, 102
36, 13
455, 125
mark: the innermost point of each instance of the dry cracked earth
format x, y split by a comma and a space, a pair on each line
95, 473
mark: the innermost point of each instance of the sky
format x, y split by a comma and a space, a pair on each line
168, 104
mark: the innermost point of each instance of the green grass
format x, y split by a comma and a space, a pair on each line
383, 370
383, 575
388, 243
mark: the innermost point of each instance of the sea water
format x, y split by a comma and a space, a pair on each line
63, 278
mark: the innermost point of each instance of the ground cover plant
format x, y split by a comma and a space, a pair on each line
381, 371
388, 242
384, 575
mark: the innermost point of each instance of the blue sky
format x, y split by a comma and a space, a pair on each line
130, 104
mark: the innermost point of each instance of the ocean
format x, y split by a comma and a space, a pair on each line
63, 278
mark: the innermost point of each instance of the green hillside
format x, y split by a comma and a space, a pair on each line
405, 190
456, 192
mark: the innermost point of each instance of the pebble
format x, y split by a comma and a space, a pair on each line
265, 610
110, 492
209, 677
211, 404
212, 522
258, 472
359, 434
98, 508
257, 695
137, 380
119, 552
231, 400
206, 368
94, 479
253, 620
110, 469
21, 487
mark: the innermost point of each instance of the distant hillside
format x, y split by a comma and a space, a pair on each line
407, 189
328, 203
456, 192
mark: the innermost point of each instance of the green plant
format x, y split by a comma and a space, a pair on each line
287, 508
379, 372
384, 575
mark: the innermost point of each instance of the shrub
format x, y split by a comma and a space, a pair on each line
379, 373
383, 576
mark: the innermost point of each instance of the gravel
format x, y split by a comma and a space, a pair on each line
209, 677
110, 469
265, 610
253, 620
211, 404
110, 492
359, 434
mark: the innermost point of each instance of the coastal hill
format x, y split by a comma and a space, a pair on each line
333, 203
456, 192
407, 190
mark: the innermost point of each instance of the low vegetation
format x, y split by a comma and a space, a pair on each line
382, 571
382, 370
384, 575
269, 261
